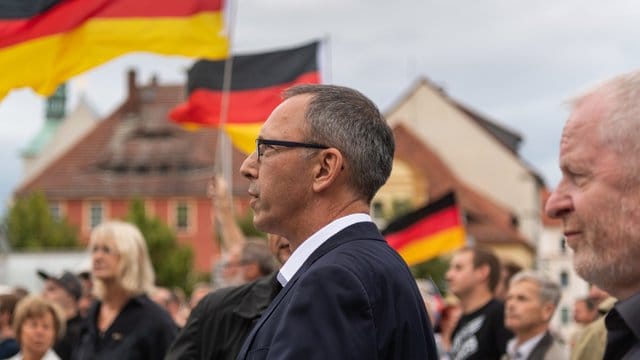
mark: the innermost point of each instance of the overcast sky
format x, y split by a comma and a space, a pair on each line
514, 61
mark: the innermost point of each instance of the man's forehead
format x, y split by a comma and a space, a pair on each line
463, 257
526, 284
51, 282
581, 128
286, 118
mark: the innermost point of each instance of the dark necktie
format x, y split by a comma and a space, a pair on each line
276, 287
619, 336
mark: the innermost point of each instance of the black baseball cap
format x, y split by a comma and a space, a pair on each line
67, 280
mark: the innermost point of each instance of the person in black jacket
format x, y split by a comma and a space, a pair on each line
65, 290
218, 325
123, 323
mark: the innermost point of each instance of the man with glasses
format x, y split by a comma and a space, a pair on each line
321, 156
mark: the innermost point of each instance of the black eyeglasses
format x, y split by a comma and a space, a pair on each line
261, 143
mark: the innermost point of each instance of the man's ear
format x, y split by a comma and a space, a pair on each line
330, 164
483, 270
547, 311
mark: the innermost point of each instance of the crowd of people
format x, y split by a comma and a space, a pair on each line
326, 285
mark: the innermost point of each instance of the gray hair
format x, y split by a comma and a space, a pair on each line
621, 129
347, 120
549, 290
258, 252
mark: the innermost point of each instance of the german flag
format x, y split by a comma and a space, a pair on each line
45, 42
430, 231
257, 82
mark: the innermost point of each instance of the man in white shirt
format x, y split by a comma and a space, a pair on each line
531, 301
321, 156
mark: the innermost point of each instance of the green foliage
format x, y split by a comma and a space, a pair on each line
172, 262
30, 226
435, 268
401, 207
246, 225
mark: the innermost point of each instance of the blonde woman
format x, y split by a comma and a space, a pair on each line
123, 323
37, 323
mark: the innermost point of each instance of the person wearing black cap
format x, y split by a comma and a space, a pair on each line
65, 290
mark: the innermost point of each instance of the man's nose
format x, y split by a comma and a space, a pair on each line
558, 204
249, 168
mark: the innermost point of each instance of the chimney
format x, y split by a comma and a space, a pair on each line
154, 80
131, 83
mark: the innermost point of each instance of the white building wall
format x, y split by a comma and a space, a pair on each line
553, 260
19, 269
473, 154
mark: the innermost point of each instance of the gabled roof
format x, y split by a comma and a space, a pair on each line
487, 222
136, 151
509, 138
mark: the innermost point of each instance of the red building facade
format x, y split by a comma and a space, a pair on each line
136, 152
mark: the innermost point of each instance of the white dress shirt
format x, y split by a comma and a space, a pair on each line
302, 253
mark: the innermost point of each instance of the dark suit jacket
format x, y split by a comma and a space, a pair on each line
217, 327
548, 348
354, 298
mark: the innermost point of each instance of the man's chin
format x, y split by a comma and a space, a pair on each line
259, 223
589, 268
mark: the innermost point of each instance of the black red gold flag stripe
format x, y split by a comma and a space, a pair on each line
257, 81
44, 43
427, 232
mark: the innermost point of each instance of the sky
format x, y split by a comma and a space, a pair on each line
516, 62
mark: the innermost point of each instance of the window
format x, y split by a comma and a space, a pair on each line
564, 279
55, 211
564, 315
401, 207
378, 211
96, 214
182, 216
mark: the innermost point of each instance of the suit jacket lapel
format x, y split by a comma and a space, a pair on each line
353, 232
541, 348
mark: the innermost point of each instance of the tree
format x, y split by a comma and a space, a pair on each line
435, 269
246, 224
172, 262
30, 226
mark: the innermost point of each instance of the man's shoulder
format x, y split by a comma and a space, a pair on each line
230, 294
591, 341
494, 307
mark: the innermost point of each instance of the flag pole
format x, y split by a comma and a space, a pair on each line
325, 61
224, 163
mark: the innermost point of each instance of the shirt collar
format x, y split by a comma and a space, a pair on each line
525, 348
302, 253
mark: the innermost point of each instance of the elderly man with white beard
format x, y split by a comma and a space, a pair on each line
598, 201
